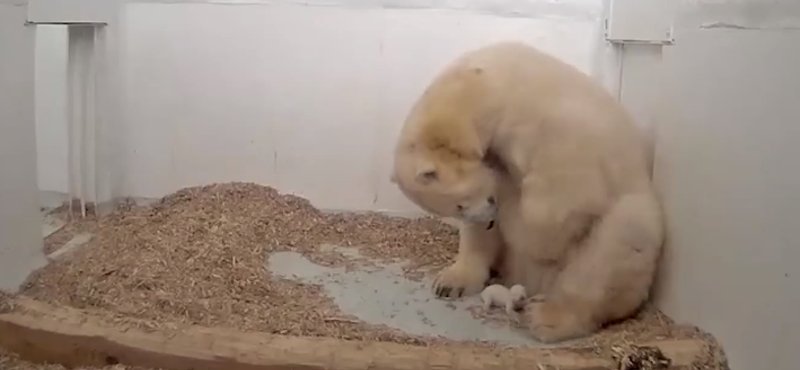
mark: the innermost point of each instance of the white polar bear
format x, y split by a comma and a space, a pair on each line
549, 176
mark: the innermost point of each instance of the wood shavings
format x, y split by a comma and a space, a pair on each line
198, 256
10, 361
641, 358
6, 305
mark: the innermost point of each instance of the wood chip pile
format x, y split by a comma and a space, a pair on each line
199, 256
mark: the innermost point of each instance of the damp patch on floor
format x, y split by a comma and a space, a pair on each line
379, 293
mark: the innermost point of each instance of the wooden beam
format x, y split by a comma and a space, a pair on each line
40, 332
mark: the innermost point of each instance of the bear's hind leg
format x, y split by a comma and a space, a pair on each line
477, 251
610, 275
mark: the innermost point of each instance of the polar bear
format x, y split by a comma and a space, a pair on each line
550, 179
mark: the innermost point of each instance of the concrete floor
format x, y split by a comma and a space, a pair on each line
20, 259
50, 224
380, 294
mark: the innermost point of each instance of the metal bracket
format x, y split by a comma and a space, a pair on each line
29, 23
644, 22
667, 40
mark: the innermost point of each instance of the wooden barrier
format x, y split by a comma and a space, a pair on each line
39, 332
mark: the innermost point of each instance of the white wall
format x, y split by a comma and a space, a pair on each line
308, 99
727, 166
20, 220
51, 107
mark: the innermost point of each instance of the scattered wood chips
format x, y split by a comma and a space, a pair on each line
5, 303
9, 361
199, 256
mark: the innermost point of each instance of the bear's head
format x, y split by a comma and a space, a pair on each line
446, 179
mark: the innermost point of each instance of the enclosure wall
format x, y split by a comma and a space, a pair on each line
305, 98
20, 230
727, 167
309, 99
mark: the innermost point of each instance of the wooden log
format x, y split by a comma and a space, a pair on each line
40, 332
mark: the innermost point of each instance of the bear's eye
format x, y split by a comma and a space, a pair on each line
460, 207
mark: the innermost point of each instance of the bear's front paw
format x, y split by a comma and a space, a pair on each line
460, 281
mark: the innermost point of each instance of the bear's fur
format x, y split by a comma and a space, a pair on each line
510, 136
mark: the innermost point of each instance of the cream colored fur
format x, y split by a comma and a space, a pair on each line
577, 220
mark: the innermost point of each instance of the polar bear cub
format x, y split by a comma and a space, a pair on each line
498, 295
572, 216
